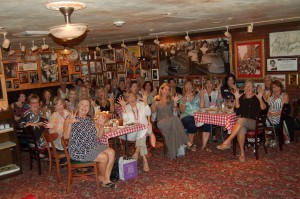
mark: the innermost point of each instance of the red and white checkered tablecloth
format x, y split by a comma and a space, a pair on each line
221, 119
121, 131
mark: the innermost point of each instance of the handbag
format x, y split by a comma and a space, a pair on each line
127, 168
114, 175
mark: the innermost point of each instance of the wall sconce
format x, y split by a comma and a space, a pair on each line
22, 48
156, 41
250, 28
6, 41
187, 37
227, 33
123, 45
140, 43
33, 48
109, 46
45, 46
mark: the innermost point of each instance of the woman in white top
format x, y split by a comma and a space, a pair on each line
63, 91
137, 112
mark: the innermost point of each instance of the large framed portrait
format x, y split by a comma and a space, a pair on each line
249, 59
9, 84
119, 55
282, 64
10, 70
49, 67
284, 43
108, 56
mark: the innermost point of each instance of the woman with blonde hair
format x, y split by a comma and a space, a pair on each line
72, 100
101, 100
165, 107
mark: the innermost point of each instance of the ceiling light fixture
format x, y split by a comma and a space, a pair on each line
123, 45
119, 23
250, 28
156, 41
109, 46
33, 48
140, 43
45, 46
65, 51
6, 42
22, 48
227, 33
67, 31
187, 37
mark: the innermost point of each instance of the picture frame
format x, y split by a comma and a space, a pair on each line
154, 74
154, 63
27, 66
92, 68
293, 79
10, 70
33, 77
9, 84
109, 75
280, 77
119, 55
74, 77
121, 77
132, 63
16, 83
64, 70
77, 68
282, 64
279, 46
121, 67
146, 75
49, 67
98, 67
108, 56
84, 56
153, 50
84, 70
249, 59
23, 77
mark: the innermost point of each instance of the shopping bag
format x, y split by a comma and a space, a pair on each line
127, 168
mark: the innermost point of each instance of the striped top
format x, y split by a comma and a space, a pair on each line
275, 106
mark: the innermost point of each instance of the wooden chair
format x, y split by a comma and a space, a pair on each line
259, 132
53, 153
34, 150
278, 129
74, 165
159, 137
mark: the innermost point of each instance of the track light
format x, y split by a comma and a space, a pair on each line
6, 41
109, 46
140, 43
123, 45
156, 41
33, 48
227, 33
250, 28
22, 47
187, 37
98, 48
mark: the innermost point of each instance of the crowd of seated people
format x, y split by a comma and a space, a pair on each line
72, 111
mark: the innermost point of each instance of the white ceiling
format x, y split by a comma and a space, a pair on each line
142, 17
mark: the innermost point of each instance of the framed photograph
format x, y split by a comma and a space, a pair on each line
64, 70
293, 79
77, 68
121, 77
16, 83
109, 75
49, 67
104, 67
146, 74
9, 84
280, 78
84, 71
2, 89
74, 77
156, 84
10, 70
284, 43
132, 63
23, 77
282, 64
108, 56
98, 67
33, 77
92, 67
26, 66
155, 75
154, 63
153, 51
249, 59
84, 56
119, 55
121, 67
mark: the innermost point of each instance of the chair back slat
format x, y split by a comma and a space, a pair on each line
261, 119
65, 143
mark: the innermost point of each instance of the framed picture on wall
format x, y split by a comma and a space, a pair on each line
119, 55
281, 78
16, 83
282, 64
108, 56
155, 75
92, 67
249, 59
74, 77
49, 67
121, 77
121, 67
98, 67
23, 77
33, 77
84, 70
293, 79
9, 84
284, 43
10, 70
109, 75
26, 66
77, 68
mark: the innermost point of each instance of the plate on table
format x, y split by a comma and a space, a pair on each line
121, 127
209, 111
203, 110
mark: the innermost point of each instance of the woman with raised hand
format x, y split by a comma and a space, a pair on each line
137, 112
166, 109
84, 146
104, 102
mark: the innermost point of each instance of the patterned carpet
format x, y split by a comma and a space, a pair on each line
197, 175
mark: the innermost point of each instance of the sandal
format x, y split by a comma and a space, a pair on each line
206, 149
110, 185
242, 158
223, 147
192, 148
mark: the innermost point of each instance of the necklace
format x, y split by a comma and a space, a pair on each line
135, 114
